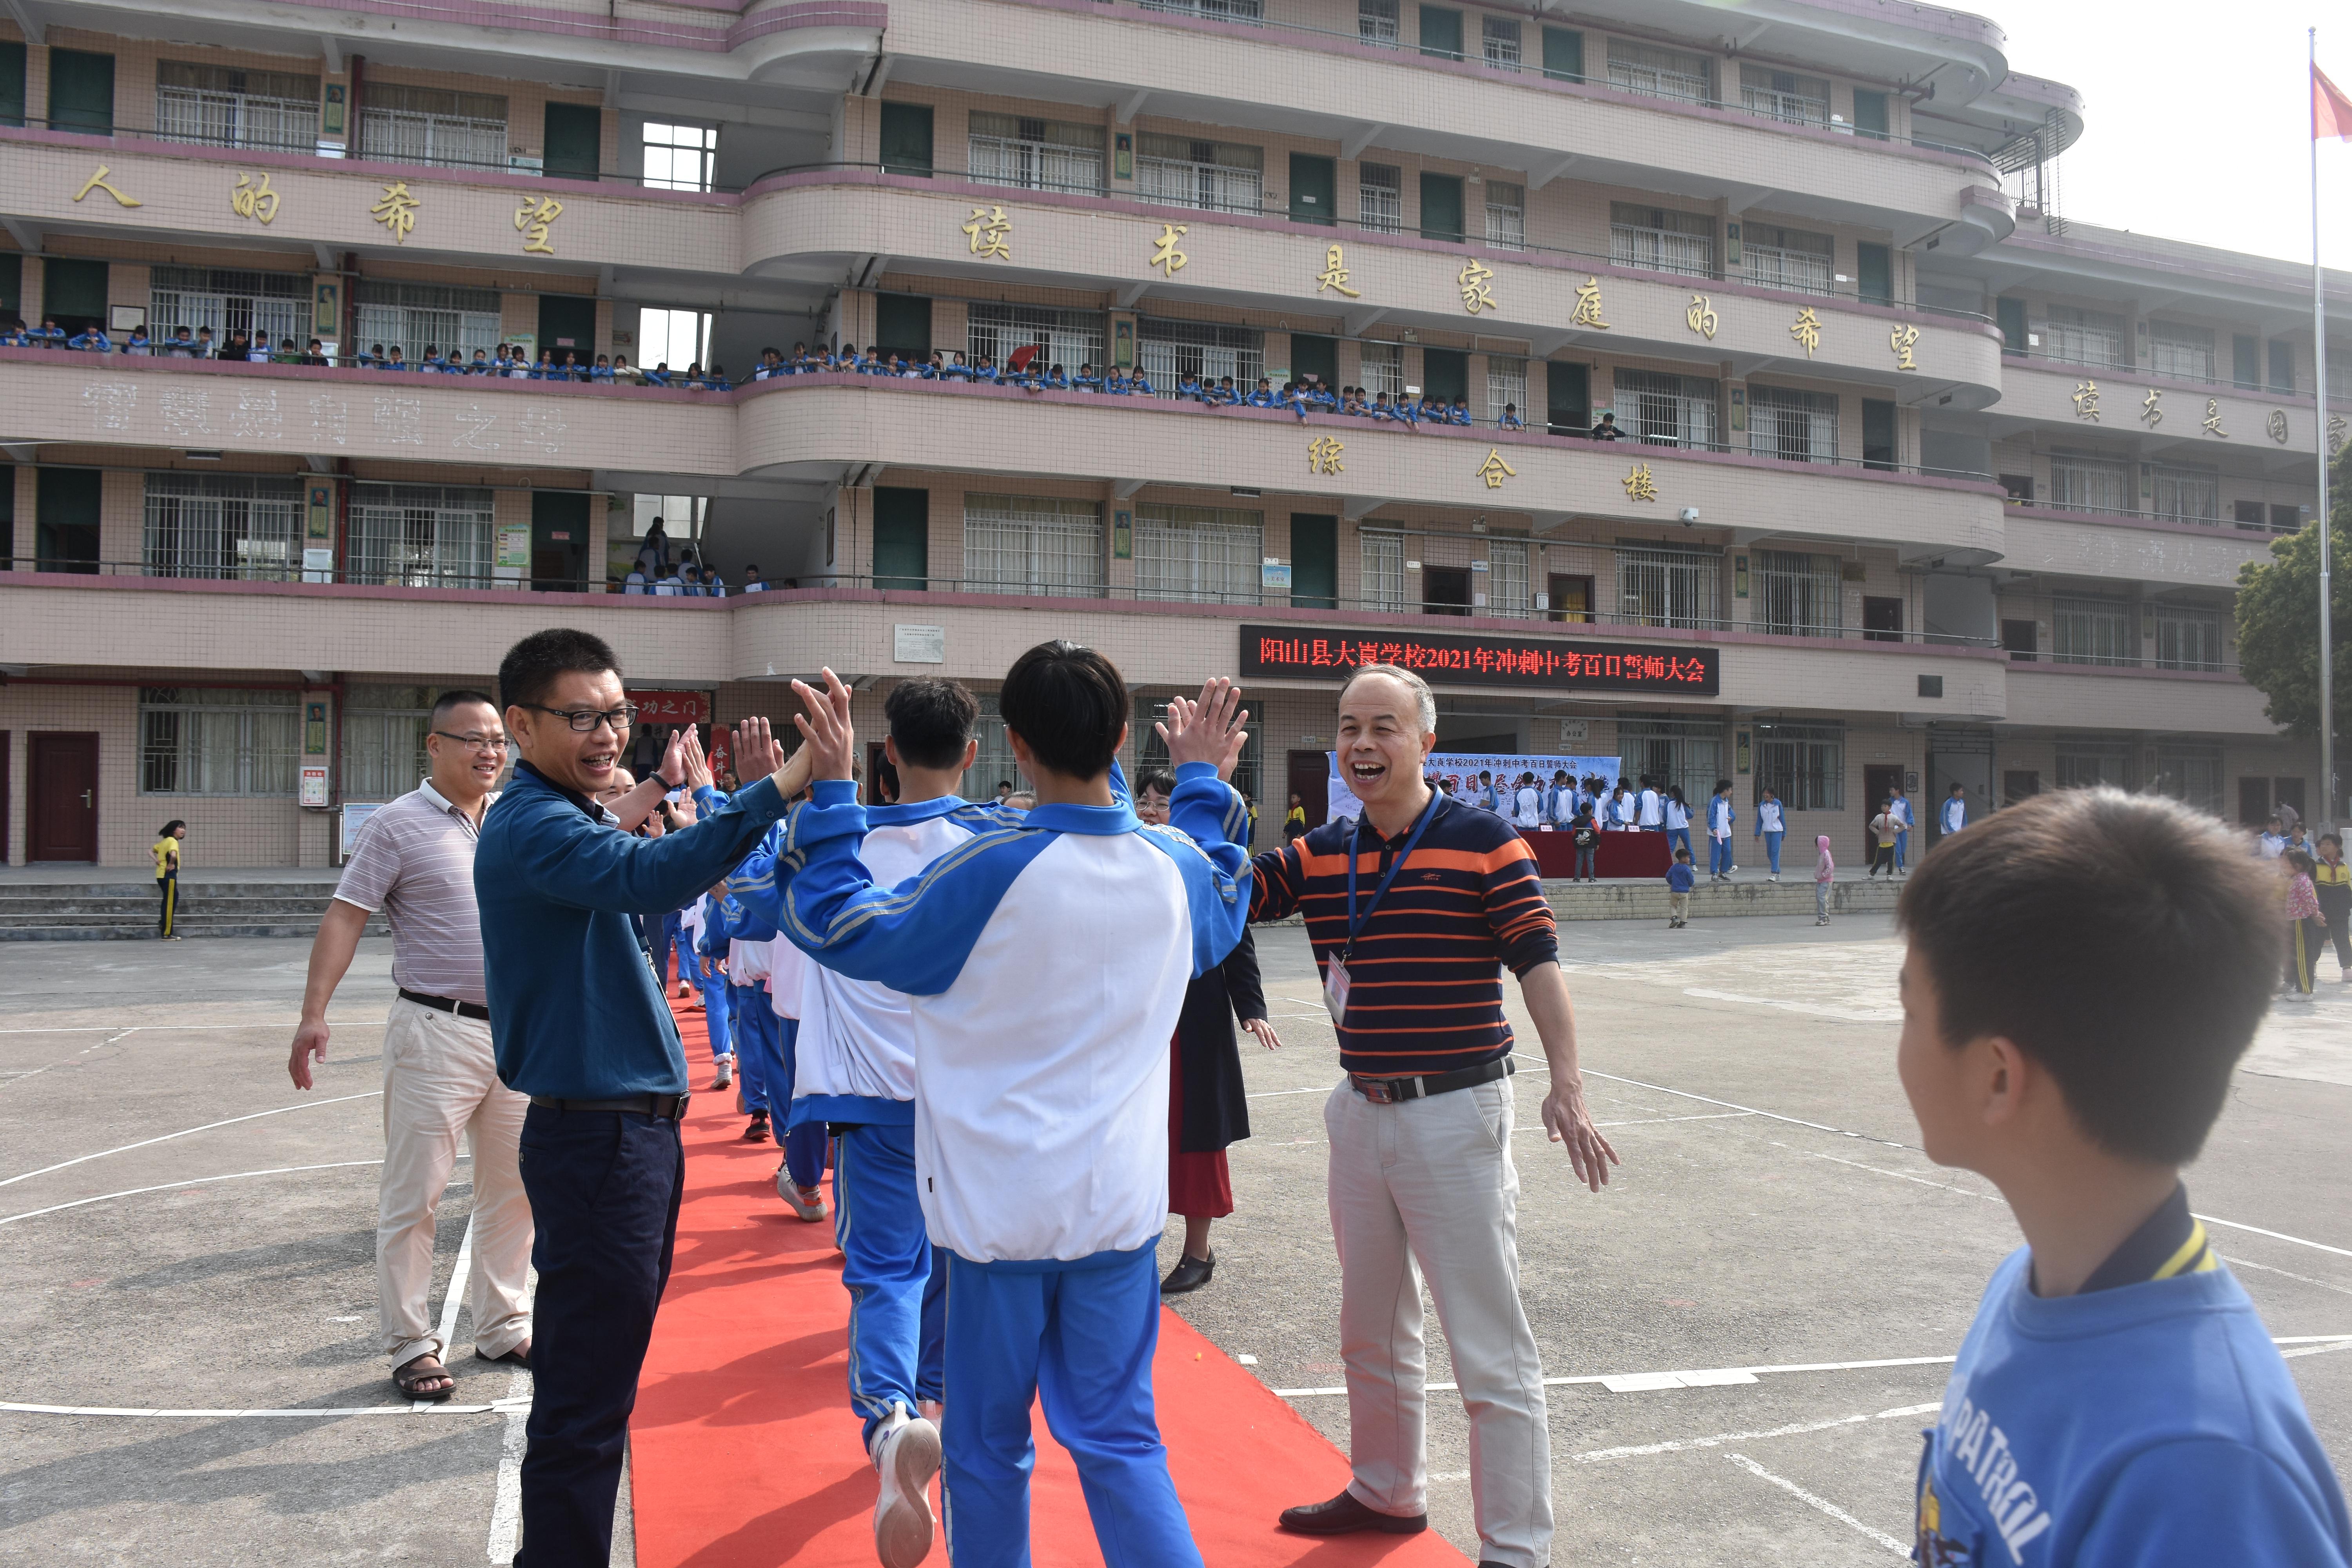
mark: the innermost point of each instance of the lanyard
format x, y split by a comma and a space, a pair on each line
1356, 923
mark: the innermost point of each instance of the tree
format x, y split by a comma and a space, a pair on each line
2278, 618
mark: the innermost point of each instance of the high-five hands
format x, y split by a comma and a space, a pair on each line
694, 767
757, 752
1207, 729
832, 745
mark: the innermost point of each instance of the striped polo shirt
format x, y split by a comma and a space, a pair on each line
1425, 989
414, 859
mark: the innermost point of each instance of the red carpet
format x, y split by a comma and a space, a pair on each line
743, 1452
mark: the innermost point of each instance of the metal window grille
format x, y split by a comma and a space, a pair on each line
1507, 579
2094, 631
1507, 215
221, 106
429, 125
994, 762
1212, 351
1804, 764
1499, 36
1032, 545
1069, 338
1380, 368
1661, 239
222, 525
1035, 155
680, 157
201, 740
415, 315
1506, 382
2183, 352
2188, 637
1685, 752
1199, 555
421, 536
1657, 73
2190, 773
1666, 410
1183, 172
1250, 11
2076, 336
1380, 198
1376, 22
1785, 95
383, 739
1789, 259
2079, 481
2187, 493
2087, 761
1667, 588
227, 302
1792, 425
1801, 595
1382, 568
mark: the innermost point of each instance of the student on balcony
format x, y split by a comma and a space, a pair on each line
1510, 419
92, 338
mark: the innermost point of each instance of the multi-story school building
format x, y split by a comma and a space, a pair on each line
1913, 479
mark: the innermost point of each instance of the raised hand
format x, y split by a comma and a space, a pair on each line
757, 752
832, 743
1207, 729
690, 758
673, 763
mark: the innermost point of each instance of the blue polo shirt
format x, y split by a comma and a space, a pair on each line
575, 1010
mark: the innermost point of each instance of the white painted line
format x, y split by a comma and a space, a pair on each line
1642, 1382
186, 1132
2276, 1235
2236, 1262
1278, 1093
1712, 1377
497, 1407
2315, 1350
1684, 1445
1899, 1175
450, 1302
1822, 1504
261, 1024
506, 1501
169, 1186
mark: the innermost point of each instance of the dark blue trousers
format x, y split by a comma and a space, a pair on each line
603, 1188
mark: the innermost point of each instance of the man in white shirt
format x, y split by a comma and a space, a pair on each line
1653, 817
1955, 810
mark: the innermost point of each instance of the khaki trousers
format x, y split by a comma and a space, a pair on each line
1428, 1188
440, 1081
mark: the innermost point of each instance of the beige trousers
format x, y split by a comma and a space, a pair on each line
1428, 1189
440, 1082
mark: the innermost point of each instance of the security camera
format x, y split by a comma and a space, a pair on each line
1689, 515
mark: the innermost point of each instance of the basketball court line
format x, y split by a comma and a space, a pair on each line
1822, 1505
197, 1182
186, 1132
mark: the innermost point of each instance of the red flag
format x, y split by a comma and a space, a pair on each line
2331, 111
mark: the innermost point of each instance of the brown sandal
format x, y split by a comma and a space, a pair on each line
410, 1379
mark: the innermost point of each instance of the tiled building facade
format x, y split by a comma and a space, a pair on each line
1935, 487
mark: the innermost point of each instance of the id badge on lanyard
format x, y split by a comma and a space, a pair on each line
1335, 972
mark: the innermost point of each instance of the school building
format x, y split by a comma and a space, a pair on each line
1914, 480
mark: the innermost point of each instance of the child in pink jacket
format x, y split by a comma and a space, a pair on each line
1823, 869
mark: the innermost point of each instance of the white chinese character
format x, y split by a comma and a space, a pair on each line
328, 418
400, 420
476, 425
111, 402
185, 412
256, 417
539, 425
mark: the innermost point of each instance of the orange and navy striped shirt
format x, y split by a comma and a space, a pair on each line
1425, 988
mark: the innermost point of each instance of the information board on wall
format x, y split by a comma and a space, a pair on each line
1530, 664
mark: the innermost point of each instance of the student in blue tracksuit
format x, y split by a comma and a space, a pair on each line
1045, 967
717, 984
1721, 815
745, 939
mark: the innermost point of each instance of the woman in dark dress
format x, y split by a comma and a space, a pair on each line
1208, 1105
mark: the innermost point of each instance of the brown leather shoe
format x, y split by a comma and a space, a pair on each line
1343, 1515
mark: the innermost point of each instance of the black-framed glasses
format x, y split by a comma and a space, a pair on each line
477, 742
585, 719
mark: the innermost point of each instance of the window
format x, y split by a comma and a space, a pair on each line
1198, 553
1035, 155
1506, 382
1507, 215
1151, 751
224, 107
2094, 631
673, 338
1383, 571
383, 739
420, 536
1500, 36
2188, 492
680, 157
1666, 410
1685, 752
205, 740
1778, 257
1380, 368
2020, 640
1069, 338
1380, 198
1376, 22
1250, 11
2082, 481
227, 302
1657, 73
2178, 350
2086, 761
1803, 595
2190, 773
1785, 95
2188, 636
1208, 350
1794, 427
1660, 587
2075, 336
1661, 239
222, 525
1804, 764
1507, 579
1217, 177
1032, 545
412, 315
431, 125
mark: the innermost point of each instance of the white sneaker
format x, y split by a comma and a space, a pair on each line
1776, 876
806, 1202
906, 1453
726, 1073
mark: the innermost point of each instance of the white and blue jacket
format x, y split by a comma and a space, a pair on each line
1044, 967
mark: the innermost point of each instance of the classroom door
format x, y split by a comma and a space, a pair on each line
568, 321
1313, 182
1879, 780
1310, 780
61, 801
1314, 561
574, 144
1445, 590
82, 91
558, 541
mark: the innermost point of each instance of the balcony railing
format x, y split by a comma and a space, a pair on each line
236, 119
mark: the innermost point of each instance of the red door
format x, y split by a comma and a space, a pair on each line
61, 797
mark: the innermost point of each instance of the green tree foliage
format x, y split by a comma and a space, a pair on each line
2278, 618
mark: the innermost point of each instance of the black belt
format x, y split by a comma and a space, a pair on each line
446, 1004
661, 1107
1390, 1090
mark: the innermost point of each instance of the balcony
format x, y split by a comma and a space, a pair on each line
2044, 539
2134, 697
2213, 418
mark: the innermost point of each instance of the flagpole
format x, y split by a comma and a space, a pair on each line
2319, 355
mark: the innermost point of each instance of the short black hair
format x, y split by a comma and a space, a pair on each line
168, 826
931, 718
2125, 942
532, 665
1069, 704
1159, 779
458, 698
1682, 854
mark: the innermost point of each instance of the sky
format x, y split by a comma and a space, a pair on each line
2218, 156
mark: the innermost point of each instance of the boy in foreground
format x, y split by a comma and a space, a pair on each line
2118, 1401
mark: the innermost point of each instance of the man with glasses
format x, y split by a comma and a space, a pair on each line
415, 860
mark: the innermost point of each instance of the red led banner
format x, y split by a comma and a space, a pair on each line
672, 707
1529, 663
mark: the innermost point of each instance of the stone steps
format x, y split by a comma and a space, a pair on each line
122, 912
1747, 894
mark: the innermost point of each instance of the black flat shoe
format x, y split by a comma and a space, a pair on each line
1189, 1274
757, 1132
1343, 1515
